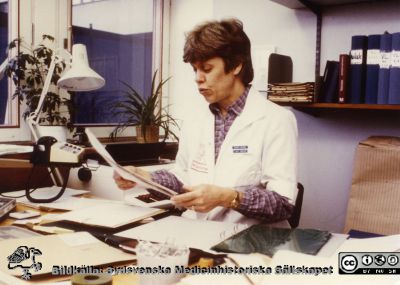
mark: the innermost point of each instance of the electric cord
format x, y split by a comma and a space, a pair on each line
47, 200
24, 195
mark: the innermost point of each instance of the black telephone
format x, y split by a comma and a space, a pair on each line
48, 150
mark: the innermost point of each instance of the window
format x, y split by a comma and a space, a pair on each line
9, 17
3, 47
121, 40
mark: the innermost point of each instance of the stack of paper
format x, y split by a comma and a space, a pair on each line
291, 92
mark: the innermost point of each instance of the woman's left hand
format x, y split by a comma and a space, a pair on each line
204, 197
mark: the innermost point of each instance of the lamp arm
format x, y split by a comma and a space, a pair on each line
47, 83
3, 68
45, 89
33, 118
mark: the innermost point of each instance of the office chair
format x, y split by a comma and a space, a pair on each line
295, 218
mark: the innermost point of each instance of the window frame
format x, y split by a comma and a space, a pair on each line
13, 109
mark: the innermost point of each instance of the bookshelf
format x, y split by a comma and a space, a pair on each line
341, 106
317, 7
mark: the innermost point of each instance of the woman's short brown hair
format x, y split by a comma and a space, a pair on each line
225, 39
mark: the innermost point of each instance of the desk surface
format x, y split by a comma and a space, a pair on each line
126, 279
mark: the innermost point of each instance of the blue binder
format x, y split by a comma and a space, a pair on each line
357, 69
394, 73
330, 81
383, 82
372, 69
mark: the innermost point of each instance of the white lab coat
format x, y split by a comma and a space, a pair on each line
260, 148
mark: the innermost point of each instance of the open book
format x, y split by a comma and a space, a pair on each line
135, 177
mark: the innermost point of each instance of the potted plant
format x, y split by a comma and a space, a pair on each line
144, 113
28, 70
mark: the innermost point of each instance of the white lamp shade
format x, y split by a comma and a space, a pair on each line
80, 77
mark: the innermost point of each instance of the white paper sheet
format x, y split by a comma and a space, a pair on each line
78, 239
200, 234
376, 244
13, 148
111, 215
135, 177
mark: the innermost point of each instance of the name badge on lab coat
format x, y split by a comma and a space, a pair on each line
240, 149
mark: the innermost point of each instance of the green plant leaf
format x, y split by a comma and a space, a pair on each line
28, 69
143, 110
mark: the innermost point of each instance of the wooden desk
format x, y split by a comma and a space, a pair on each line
127, 279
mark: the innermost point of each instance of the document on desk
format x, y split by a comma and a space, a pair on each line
377, 244
56, 252
46, 192
109, 215
13, 148
140, 180
72, 203
201, 234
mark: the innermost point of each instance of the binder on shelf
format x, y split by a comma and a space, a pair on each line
372, 69
394, 73
384, 67
344, 64
329, 87
358, 55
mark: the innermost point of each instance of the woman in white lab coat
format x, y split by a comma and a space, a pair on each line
237, 159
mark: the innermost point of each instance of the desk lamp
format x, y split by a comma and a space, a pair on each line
80, 77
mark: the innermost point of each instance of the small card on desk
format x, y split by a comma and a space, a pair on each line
24, 214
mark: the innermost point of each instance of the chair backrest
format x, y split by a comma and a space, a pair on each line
295, 218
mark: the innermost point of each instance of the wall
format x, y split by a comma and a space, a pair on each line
184, 14
326, 143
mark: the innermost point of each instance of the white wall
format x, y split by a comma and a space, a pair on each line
184, 15
326, 143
